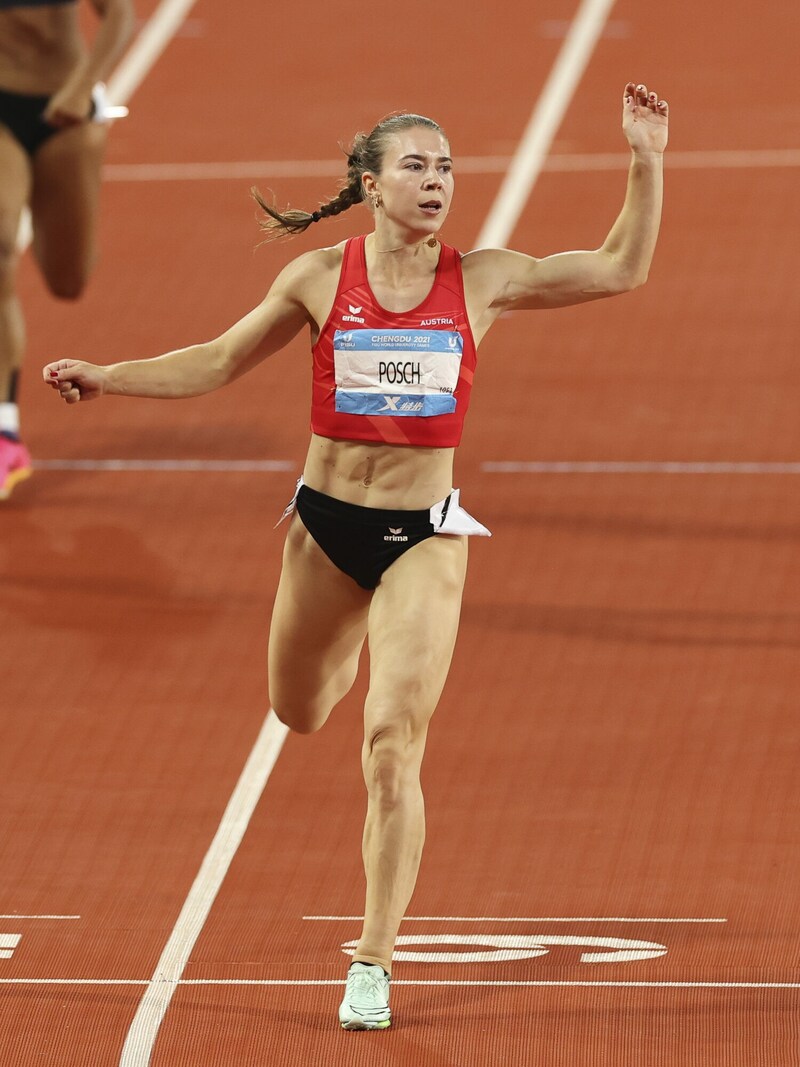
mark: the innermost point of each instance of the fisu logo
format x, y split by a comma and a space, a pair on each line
354, 315
395, 534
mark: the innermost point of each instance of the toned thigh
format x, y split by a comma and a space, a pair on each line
413, 624
64, 202
15, 188
319, 622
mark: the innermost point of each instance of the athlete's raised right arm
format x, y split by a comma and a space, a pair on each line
203, 367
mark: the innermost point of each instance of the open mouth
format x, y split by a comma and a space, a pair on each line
431, 207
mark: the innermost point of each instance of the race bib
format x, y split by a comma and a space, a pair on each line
396, 372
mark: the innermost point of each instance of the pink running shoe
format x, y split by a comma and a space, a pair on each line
15, 465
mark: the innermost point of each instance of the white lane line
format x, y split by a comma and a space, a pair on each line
224, 465
714, 159
224, 171
144, 1029
509, 919
582, 37
154, 37
28, 918
655, 467
288, 982
508, 983
266, 466
75, 981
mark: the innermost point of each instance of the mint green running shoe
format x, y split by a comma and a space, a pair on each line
366, 998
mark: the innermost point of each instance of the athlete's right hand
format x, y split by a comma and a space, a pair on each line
70, 106
75, 380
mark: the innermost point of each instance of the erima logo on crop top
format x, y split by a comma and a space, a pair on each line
355, 312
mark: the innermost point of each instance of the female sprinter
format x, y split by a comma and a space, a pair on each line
50, 157
377, 545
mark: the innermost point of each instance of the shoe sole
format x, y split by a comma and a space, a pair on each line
359, 1024
13, 479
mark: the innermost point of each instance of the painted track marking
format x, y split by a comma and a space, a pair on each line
144, 1029
636, 467
509, 948
507, 919
565, 163
582, 36
234, 466
140, 58
8, 944
227, 466
489, 984
28, 918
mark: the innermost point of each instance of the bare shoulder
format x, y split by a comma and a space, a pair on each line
311, 269
310, 281
319, 261
489, 275
488, 265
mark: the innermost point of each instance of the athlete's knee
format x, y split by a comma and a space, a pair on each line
301, 717
67, 284
392, 758
66, 271
9, 258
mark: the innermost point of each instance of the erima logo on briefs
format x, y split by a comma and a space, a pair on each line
396, 403
354, 315
395, 534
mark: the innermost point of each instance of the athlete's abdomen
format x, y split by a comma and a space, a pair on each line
39, 47
379, 475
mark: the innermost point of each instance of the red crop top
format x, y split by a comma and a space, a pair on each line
403, 379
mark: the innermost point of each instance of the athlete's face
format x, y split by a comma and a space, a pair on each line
416, 181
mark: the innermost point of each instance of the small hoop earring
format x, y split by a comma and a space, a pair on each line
376, 202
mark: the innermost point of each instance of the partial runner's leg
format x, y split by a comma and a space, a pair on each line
15, 187
64, 205
412, 631
319, 623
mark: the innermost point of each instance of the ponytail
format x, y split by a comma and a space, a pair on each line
291, 221
365, 155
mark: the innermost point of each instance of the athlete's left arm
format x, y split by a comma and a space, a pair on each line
511, 280
70, 105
